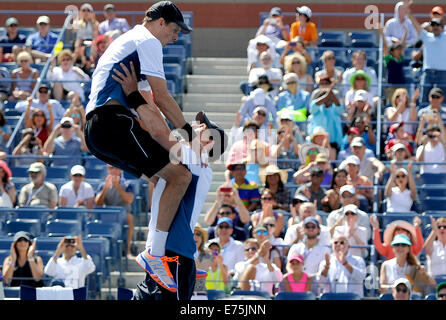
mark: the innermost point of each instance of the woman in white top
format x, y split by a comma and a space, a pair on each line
66, 71
86, 27
402, 109
435, 248
400, 189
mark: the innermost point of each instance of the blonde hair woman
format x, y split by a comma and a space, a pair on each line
296, 63
86, 29
22, 89
329, 60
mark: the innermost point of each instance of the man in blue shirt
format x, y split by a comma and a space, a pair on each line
41, 43
13, 37
111, 23
294, 100
434, 65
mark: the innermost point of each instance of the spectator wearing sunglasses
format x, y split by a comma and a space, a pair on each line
257, 271
441, 291
401, 289
311, 248
313, 189
400, 190
77, 192
293, 100
217, 273
231, 250
432, 149
264, 233
435, 248
227, 210
436, 97
348, 198
41, 43
434, 65
14, 37
296, 202
268, 201
329, 70
348, 226
342, 271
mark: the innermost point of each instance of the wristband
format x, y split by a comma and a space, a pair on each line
135, 99
188, 133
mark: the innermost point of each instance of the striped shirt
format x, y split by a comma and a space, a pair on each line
248, 192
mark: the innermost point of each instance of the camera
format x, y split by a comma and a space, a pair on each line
70, 240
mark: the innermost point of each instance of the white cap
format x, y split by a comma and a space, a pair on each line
285, 115
260, 108
361, 95
67, 119
404, 281
290, 75
353, 160
398, 146
78, 169
259, 96
357, 142
43, 19
304, 10
347, 187
403, 171
263, 39
351, 207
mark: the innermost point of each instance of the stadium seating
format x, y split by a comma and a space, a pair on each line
295, 296
173, 72
60, 228
30, 293
363, 39
332, 39
32, 226
431, 296
215, 294
339, 296
257, 293
175, 54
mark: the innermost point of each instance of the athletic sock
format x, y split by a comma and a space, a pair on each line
159, 243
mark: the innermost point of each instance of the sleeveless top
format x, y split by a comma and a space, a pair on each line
26, 85
42, 134
299, 286
393, 271
24, 272
214, 280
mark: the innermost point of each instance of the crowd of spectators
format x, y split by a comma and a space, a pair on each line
309, 191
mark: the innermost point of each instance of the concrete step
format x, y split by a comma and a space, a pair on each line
210, 61
196, 79
219, 70
131, 278
203, 99
213, 88
212, 107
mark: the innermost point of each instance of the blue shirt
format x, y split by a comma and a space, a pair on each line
433, 50
120, 24
71, 147
327, 118
5, 39
246, 110
300, 100
42, 44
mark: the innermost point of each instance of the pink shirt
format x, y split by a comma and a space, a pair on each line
300, 286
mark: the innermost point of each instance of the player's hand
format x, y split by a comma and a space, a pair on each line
128, 81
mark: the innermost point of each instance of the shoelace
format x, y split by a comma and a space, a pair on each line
170, 259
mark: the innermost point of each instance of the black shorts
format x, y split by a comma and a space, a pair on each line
184, 274
113, 135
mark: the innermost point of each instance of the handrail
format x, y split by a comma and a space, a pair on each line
14, 135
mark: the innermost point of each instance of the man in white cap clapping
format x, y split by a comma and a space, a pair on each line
77, 192
41, 43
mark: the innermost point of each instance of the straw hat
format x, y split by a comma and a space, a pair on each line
308, 146
273, 169
203, 232
388, 233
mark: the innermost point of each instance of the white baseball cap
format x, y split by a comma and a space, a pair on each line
43, 19
77, 169
360, 95
304, 10
353, 160
348, 188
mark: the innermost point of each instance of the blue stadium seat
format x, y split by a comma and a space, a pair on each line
386, 296
258, 293
96, 173
45, 255
215, 294
33, 226
125, 294
111, 231
427, 190
431, 296
173, 72
11, 112
175, 54
20, 171
431, 178
38, 66
295, 296
93, 162
390, 217
433, 203
5, 243
12, 292
332, 39
363, 39
27, 31
9, 65
339, 296
57, 172
4, 253
60, 228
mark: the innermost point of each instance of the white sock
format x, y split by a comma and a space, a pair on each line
159, 243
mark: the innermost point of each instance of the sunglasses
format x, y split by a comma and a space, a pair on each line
13, 25
280, 132
324, 82
349, 213
291, 82
269, 224
77, 175
360, 78
400, 176
431, 136
310, 226
295, 62
330, 58
39, 115
198, 234
400, 245
310, 152
75, 115
238, 169
267, 198
339, 242
85, 10
441, 227
23, 61
297, 201
43, 24
347, 195
261, 114
317, 175
225, 213
265, 59
434, 96
441, 295
260, 232
43, 91
251, 249
224, 227
403, 290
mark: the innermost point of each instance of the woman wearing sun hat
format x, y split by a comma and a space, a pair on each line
413, 232
275, 179
359, 80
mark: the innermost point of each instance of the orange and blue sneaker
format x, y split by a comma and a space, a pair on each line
158, 269
201, 274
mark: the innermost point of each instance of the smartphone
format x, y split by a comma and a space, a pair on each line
225, 189
293, 44
214, 253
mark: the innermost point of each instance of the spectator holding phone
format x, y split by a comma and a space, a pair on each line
273, 26
23, 266
227, 210
436, 97
30, 145
69, 268
432, 149
217, 278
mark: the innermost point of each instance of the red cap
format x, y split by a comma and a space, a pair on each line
395, 127
5, 167
353, 130
437, 9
